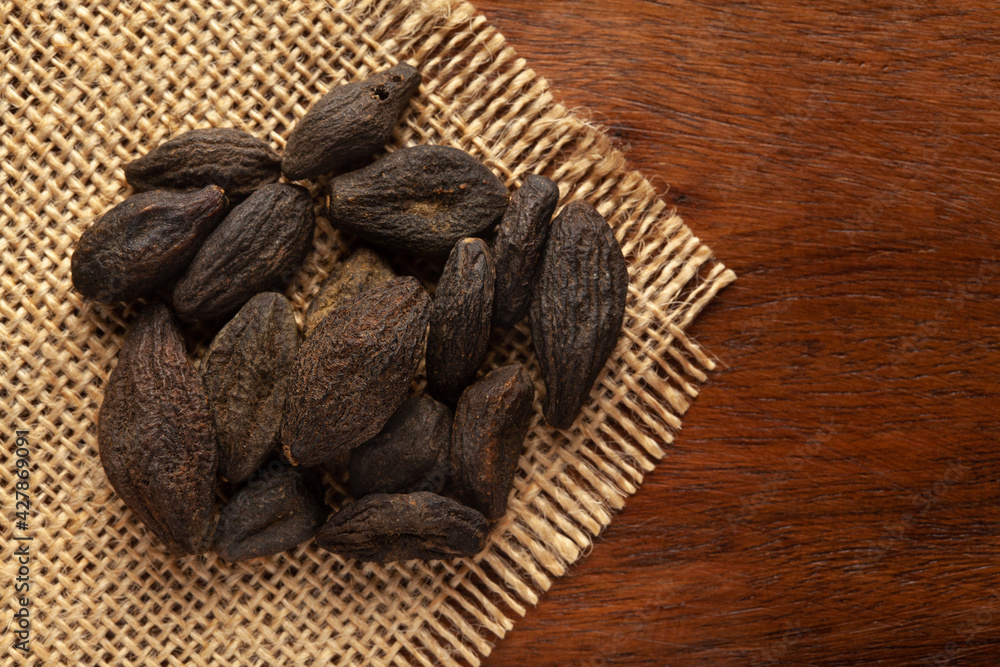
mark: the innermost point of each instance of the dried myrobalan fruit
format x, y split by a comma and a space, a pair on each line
349, 123
232, 159
491, 421
577, 308
144, 242
354, 371
410, 454
460, 320
279, 507
386, 527
246, 378
156, 437
418, 200
518, 246
363, 269
260, 243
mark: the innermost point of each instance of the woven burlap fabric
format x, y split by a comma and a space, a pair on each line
86, 88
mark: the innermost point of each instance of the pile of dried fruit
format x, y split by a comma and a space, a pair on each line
212, 231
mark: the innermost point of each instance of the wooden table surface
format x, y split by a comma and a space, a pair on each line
832, 498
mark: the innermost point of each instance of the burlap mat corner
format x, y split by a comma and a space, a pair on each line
85, 88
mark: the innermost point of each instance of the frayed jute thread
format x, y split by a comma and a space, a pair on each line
86, 88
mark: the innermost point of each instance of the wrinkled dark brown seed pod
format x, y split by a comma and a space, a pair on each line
459, 335
418, 200
577, 308
232, 159
279, 507
156, 437
518, 246
260, 243
246, 377
491, 421
144, 242
410, 454
354, 371
349, 123
388, 527
363, 269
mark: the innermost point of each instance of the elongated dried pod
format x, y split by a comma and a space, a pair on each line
491, 421
363, 269
261, 243
577, 308
411, 453
144, 243
237, 162
246, 379
389, 527
459, 335
418, 200
156, 437
349, 123
354, 371
279, 508
518, 246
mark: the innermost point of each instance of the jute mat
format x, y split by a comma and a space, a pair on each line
87, 87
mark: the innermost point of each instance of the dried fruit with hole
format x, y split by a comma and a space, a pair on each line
577, 308
363, 269
237, 162
390, 527
518, 246
459, 334
491, 421
144, 243
246, 378
156, 436
354, 371
411, 453
278, 508
258, 246
349, 123
418, 200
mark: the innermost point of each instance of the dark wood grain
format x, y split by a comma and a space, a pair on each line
833, 496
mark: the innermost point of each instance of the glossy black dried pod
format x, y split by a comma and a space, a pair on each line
459, 335
246, 378
418, 200
389, 527
518, 246
411, 453
491, 421
354, 371
143, 243
363, 269
577, 308
156, 436
232, 159
258, 246
349, 123
278, 508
